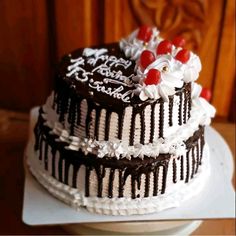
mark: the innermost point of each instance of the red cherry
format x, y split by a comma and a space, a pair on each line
179, 41
206, 93
146, 58
164, 47
153, 77
144, 33
183, 55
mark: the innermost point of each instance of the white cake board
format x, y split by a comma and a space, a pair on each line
216, 201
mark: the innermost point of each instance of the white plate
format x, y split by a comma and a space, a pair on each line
216, 200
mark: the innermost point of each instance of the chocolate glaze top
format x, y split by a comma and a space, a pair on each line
105, 79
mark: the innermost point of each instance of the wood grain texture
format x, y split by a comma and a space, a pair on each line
225, 68
24, 53
77, 24
118, 20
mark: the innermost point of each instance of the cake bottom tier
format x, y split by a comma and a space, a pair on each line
120, 187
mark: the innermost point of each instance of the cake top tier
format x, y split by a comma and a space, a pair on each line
140, 68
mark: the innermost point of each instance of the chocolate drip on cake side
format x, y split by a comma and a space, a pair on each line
147, 184
185, 107
132, 129
60, 166
165, 169
161, 119
174, 171
87, 182
53, 152
171, 104
62, 104
180, 121
72, 114
182, 167
101, 171
40, 147
111, 180
193, 162
142, 118
120, 124
76, 169
189, 103
155, 185
66, 171
153, 125
46, 155
198, 158
121, 183
202, 143
187, 167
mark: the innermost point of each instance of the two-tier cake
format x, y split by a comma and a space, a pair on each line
123, 131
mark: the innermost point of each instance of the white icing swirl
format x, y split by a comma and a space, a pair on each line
202, 104
133, 47
170, 79
192, 68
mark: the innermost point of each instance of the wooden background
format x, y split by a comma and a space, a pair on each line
34, 34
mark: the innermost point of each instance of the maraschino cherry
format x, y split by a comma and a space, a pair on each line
183, 55
164, 47
146, 58
179, 41
153, 77
145, 33
206, 94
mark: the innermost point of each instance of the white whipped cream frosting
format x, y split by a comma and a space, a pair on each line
174, 77
133, 47
170, 79
202, 104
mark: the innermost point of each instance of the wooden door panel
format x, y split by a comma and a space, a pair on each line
24, 53
224, 84
77, 24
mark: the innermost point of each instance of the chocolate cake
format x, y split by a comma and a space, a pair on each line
123, 131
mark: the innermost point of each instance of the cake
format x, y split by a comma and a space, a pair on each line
123, 130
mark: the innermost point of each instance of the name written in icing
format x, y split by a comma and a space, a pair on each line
115, 77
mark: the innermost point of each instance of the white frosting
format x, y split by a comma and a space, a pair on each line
174, 196
192, 68
177, 73
171, 79
202, 104
133, 47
